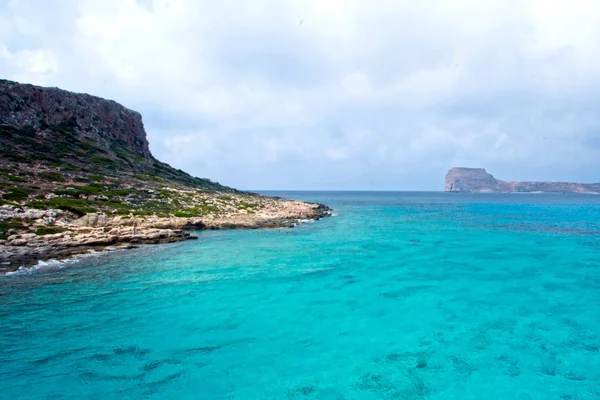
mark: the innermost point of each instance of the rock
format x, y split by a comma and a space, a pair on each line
471, 179
92, 220
479, 180
104, 120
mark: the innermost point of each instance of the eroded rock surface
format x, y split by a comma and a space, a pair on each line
31, 238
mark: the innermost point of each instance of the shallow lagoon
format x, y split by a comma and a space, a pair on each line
399, 296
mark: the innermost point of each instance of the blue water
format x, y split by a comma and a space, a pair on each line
399, 296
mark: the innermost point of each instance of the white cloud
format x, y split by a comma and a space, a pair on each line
32, 65
357, 84
258, 94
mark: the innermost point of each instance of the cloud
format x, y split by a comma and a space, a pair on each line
331, 94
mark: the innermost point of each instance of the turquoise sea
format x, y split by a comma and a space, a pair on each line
398, 296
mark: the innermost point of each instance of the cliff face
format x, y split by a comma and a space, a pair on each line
52, 135
39, 109
478, 180
471, 180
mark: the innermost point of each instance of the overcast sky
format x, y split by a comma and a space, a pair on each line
332, 94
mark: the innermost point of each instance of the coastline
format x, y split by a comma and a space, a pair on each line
78, 176
99, 232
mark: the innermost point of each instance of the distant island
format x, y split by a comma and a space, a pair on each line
77, 175
478, 180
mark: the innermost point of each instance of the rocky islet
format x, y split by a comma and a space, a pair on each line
478, 180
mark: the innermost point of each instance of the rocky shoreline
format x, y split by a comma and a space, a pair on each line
77, 174
35, 240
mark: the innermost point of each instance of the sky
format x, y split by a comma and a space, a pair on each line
332, 94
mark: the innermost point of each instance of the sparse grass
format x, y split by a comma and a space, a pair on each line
208, 209
78, 207
245, 204
65, 153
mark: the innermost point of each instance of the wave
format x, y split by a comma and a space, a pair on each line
306, 221
47, 265
54, 264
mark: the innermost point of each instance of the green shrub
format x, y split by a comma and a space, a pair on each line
67, 192
6, 225
17, 194
13, 178
13, 157
141, 213
93, 188
186, 213
78, 207
89, 148
67, 129
76, 191
102, 161
120, 192
52, 176
70, 167
49, 230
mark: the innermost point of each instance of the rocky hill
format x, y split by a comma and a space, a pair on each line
77, 174
480, 181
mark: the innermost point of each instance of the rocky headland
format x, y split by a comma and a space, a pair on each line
77, 174
478, 180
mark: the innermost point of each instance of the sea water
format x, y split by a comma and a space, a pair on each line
398, 296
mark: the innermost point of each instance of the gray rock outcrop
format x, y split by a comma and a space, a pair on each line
478, 180
38, 108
